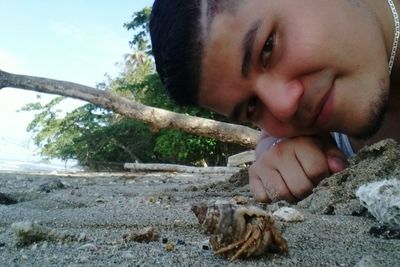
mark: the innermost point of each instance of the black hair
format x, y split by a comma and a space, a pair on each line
178, 42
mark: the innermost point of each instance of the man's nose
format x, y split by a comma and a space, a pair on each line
281, 98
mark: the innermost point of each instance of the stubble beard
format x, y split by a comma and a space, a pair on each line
376, 117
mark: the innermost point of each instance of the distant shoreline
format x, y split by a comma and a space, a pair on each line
39, 166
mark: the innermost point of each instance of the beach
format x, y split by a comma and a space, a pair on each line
89, 215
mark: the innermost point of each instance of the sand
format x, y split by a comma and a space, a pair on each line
86, 218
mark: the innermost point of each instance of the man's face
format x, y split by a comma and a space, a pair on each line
296, 67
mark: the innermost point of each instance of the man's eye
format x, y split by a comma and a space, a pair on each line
251, 108
267, 50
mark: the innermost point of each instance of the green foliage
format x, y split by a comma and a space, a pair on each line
175, 146
97, 138
140, 23
100, 139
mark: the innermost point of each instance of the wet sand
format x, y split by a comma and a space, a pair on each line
91, 213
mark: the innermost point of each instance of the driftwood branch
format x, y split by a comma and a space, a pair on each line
146, 167
155, 117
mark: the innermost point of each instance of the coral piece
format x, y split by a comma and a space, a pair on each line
31, 232
239, 231
382, 199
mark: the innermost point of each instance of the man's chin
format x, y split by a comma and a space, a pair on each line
374, 120
366, 134
371, 128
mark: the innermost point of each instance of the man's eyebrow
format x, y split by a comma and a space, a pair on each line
247, 46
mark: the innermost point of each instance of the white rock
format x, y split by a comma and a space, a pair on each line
289, 215
82, 237
88, 246
241, 158
45, 245
128, 255
367, 261
382, 199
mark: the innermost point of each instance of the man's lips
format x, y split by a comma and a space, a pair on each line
325, 108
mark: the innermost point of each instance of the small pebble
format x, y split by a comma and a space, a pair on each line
82, 237
170, 246
180, 242
76, 193
151, 200
7, 200
52, 185
127, 255
367, 261
240, 200
89, 246
147, 234
289, 215
83, 259
193, 188
385, 232
164, 240
205, 247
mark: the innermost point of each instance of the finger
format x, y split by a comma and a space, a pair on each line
290, 169
296, 180
257, 187
269, 184
313, 162
274, 185
336, 164
336, 159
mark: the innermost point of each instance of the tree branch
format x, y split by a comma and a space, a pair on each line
155, 117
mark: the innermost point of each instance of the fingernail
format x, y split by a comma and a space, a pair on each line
337, 164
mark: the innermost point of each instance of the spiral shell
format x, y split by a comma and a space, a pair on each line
239, 231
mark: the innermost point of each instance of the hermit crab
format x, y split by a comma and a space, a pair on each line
238, 231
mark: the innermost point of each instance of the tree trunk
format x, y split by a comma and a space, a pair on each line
146, 167
157, 118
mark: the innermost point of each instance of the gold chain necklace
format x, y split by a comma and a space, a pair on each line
396, 34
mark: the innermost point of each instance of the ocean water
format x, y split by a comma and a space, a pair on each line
39, 166
18, 153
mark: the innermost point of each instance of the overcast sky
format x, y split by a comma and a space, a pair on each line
74, 40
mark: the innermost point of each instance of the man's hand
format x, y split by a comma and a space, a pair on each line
290, 169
